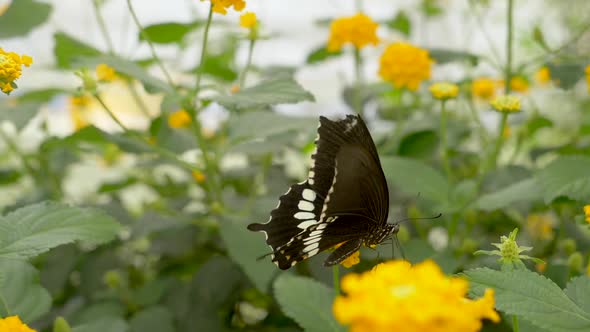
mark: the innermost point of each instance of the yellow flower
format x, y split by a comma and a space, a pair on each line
248, 20
77, 110
105, 73
484, 88
587, 213
179, 119
11, 69
351, 260
220, 6
540, 226
405, 65
541, 267
519, 84
13, 324
198, 176
444, 90
543, 75
506, 104
358, 30
395, 296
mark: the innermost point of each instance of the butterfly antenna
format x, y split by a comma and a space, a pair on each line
263, 256
424, 218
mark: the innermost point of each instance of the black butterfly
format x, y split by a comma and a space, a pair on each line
345, 199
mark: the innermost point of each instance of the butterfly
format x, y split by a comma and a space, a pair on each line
344, 200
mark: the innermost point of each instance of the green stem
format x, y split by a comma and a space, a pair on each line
102, 25
110, 113
358, 71
494, 158
203, 52
150, 44
248, 63
142, 106
336, 278
515, 323
509, 45
443, 140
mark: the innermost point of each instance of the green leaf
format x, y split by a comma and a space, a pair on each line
34, 229
22, 17
264, 124
167, 33
523, 191
416, 177
244, 247
419, 144
68, 48
153, 319
567, 74
271, 92
307, 301
19, 114
20, 292
111, 324
401, 22
320, 54
532, 296
566, 176
578, 289
129, 68
442, 56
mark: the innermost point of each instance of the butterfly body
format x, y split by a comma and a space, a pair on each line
344, 201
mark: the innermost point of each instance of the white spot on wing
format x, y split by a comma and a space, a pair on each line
308, 194
311, 247
304, 215
313, 252
306, 224
315, 233
305, 206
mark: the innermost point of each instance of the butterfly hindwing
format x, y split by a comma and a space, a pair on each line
344, 199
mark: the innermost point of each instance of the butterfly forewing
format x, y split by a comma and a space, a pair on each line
345, 197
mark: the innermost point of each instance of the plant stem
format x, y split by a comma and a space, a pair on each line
203, 51
336, 278
358, 71
515, 323
443, 140
103, 26
509, 35
109, 112
142, 106
494, 158
248, 63
150, 44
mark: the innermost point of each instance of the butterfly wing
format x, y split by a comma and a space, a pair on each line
344, 197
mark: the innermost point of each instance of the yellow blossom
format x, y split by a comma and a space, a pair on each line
77, 110
543, 75
541, 267
179, 119
198, 176
248, 20
11, 69
221, 6
587, 213
13, 324
421, 297
506, 104
519, 84
405, 65
484, 88
105, 73
359, 30
351, 260
444, 90
540, 226
234, 88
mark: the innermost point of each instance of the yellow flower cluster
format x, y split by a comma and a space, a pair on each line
105, 73
11, 69
198, 176
179, 119
543, 75
221, 6
13, 324
519, 84
506, 104
405, 65
358, 30
587, 213
444, 90
484, 88
398, 297
248, 20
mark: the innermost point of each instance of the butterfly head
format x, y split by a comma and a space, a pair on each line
382, 234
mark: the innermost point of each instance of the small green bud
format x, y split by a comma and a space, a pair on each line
61, 325
510, 252
575, 262
568, 246
88, 81
112, 279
